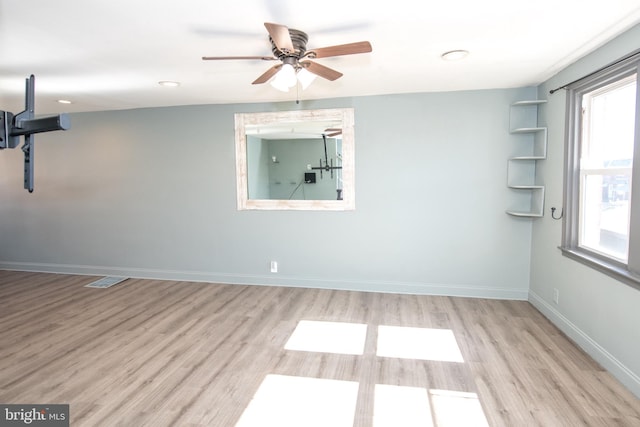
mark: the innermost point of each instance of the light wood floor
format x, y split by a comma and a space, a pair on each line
162, 353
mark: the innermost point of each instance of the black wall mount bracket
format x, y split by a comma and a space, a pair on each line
25, 124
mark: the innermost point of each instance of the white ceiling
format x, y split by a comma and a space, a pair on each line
110, 54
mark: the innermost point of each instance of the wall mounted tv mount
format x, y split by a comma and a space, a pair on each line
12, 127
327, 167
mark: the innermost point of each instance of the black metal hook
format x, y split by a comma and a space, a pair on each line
553, 211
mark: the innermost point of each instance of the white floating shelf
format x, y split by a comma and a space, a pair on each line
527, 187
529, 102
528, 130
527, 158
520, 169
525, 214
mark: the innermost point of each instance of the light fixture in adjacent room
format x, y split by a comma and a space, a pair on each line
169, 83
63, 101
454, 55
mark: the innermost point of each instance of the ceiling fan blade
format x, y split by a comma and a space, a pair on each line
267, 75
280, 36
321, 70
343, 49
215, 58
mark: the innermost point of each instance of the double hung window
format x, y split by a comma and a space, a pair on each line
602, 222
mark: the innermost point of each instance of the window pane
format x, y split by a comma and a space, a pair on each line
609, 122
606, 168
604, 226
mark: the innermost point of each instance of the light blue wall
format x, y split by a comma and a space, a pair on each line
258, 160
600, 313
151, 193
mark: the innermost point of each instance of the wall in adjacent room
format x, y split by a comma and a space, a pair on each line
258, 168
294, 156
599, 313
152, 193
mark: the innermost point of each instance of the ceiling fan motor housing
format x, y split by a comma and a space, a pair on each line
299, 40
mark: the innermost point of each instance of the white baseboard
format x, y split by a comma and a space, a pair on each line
458, 290
627, 377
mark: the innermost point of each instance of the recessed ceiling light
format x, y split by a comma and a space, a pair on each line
454, 55
169, 83
64, 101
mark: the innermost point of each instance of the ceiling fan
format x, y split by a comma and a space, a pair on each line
289, 46
333, 132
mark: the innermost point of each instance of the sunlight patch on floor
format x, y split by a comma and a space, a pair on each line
328, 337
395, 406
418, 343
289, 401
455, 408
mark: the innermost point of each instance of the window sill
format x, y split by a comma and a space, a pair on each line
611, 269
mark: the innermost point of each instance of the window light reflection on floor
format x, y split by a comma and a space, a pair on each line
418, 343
290, 401
328, 337
414, 406
455, 408
395, 406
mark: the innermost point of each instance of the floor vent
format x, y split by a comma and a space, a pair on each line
106, 282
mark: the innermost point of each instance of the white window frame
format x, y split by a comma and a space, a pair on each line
627, 272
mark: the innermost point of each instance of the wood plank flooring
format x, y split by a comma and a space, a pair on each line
163, 353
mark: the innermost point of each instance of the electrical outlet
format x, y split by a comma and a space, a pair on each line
274, 266
556, 295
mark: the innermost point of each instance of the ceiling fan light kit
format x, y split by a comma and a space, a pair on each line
289, 46
305, 78
285, 78
288, 77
